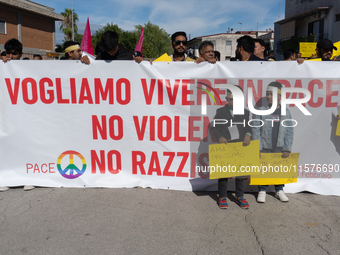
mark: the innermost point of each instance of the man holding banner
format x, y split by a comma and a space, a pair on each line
232, 134
274, 137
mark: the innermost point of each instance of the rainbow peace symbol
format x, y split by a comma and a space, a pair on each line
71, 171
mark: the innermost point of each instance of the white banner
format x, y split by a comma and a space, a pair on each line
123, 124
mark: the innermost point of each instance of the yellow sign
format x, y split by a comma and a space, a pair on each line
52, 54
336, 52
337, 133
307, 49
164, 58
276, 170
314, 59
233, 159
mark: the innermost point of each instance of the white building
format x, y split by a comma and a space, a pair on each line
226, 43
307, 20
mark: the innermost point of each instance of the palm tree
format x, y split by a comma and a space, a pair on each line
66, 24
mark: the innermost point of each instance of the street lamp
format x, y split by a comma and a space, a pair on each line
241, 26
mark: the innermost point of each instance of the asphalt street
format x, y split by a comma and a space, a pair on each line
148, 221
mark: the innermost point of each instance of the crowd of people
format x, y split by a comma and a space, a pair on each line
248, 49
109, 48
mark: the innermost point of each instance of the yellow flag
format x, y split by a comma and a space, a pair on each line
164, 58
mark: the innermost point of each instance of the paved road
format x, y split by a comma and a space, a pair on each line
146, 221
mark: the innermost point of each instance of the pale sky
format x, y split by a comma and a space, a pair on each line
195, 17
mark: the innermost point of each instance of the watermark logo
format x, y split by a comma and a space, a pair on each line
71, 171
204, 99
238, 98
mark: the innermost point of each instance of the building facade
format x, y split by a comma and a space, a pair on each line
309, 21
31, 23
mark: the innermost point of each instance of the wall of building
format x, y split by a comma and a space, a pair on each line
294, 7
31, 23
37, 32
11, 19
331, 26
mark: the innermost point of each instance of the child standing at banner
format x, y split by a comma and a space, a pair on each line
274, 137
224, 133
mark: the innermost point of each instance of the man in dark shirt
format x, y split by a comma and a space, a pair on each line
113, 50
222, 134
245, 49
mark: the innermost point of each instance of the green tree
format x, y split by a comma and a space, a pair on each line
78, 38
98, 34
156, 40
66, 24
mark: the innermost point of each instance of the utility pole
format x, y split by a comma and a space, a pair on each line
241, 26
278, 17
72, 24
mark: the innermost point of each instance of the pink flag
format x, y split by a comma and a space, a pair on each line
139, 46
86, 43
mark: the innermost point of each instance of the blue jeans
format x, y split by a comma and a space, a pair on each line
277, 187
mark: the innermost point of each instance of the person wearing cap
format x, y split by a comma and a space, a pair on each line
324, 49
73, 52
273, 136
222, 133
179, 42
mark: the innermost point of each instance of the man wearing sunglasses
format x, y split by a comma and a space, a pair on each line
179, 44
73, 52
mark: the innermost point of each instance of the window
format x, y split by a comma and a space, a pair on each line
337, 17
2, 27
228, 43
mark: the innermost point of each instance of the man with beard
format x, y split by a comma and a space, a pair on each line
73, 52
245, 48
179, 44
324, 49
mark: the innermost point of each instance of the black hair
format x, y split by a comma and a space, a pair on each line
275, 84
288, 53
173, 37
228, 91
98, 48
260, 41
68, 44
217, 55
203, 44
109, 40
13, 45
3, 53
247, 43
37, 55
